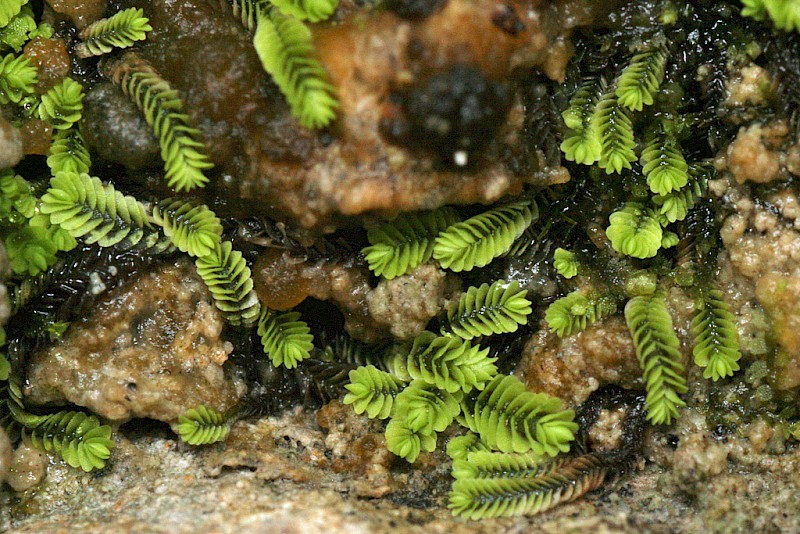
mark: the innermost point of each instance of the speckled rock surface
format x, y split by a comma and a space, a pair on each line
275, 475
573, 367
407, 303
152, 349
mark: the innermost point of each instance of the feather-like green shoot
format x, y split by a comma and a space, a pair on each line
68, 153
286, 339
565, 263
427, 409
62, 105
192, 228
484, 237
87, 208
18, 78
785, 14
716, 343
639, 81
583, 144
10, 9
227, 276
486, 310
202, 426
183, 153
615, 129
663, 164
121, 30
373, 391
286, 50
574, 312
635, 231
78, 438
658, 350
399, 246
521, 487
447, 362
310, 10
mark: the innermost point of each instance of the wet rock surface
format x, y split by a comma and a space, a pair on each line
151, 349
320, 180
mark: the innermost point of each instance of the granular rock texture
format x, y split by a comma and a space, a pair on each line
572, 367
275, 475
152, 349
762, 239
407, 303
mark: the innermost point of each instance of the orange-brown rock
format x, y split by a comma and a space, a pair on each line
320, 180
573, 367
151, 348
81, 12
51, 60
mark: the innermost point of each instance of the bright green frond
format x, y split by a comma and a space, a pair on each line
192, 228
86, 208
68, 153
498, 465
373, 391
565, 263
62, 105
663, 164
5, 367
756, 9
30, 250
447, 362
227, 276
286, 50
202, 426
639, 81
658, 350
635, 231
406, 443
459, 447
716, 344
427, 409
615, 129
486, 310
78, 438
310, 10
509, 418
17, 78
286, 339
118, 31
482, 238
18, 30
785, 14
183, 153
9, 9
547, 486
582, 145
675, 206
16, 197
574, 312
399, 246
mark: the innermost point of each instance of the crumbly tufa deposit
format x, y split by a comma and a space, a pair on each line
152, 348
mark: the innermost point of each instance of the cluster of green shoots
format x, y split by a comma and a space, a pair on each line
663, 188
41, 218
